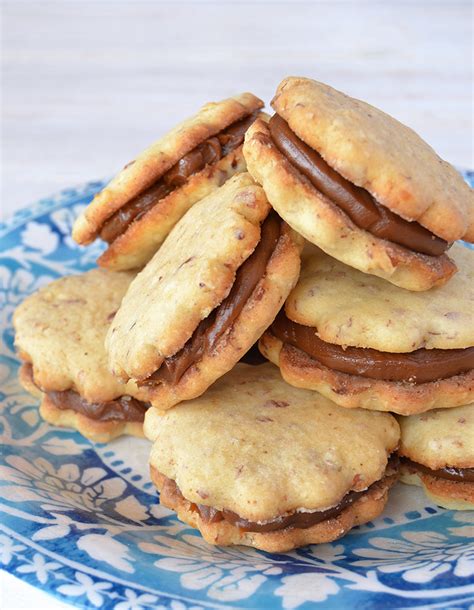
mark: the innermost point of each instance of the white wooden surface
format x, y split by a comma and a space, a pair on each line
87, 84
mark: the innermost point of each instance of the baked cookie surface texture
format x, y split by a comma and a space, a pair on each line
360, 185
207, 295
60, 332
257, 462
363, 342
437, 453
135, 212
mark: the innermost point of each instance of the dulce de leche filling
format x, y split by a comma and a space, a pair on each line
420, 366
461, 475
364, 211
124, 408
208, 152
212, 328
297, 519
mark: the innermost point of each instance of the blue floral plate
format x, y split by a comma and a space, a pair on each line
82, 521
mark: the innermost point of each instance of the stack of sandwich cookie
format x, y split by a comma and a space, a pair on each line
360, 185
374, 313
138, 208
366, 343
437, 450
257, 462
206, 296
60, 333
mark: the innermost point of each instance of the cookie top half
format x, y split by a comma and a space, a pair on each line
374, 151
160, 157
440, 438
61, 330
351, 308
187, 278
254, 445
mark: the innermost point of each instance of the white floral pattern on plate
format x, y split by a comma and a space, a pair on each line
83, 522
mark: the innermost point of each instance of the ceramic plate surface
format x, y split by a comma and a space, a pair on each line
82, 521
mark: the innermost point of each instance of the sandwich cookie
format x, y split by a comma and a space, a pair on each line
363, 342
257, 462
360, 185
60, 332
206, 296
135, 212
437, 453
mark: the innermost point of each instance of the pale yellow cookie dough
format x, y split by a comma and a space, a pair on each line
187, 278
348, 307
440, 438
375, 151
153, 162
323, 223
259, 447
61, 329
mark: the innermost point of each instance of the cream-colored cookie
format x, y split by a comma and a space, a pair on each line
136, 246
222, 533
380, 154
136, 236
371, 319
321, 222
355, 391
61, 329
352, 308
260, 448
438, 440
60, 332
189, 278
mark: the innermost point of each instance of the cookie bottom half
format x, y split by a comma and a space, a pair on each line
92, 429
95, 430
453, 495
222, 533
351, 391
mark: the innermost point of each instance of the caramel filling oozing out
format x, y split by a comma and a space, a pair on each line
208, 152
450, 473
420, 366
364, 211
124, 408
300, 520
212, 328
